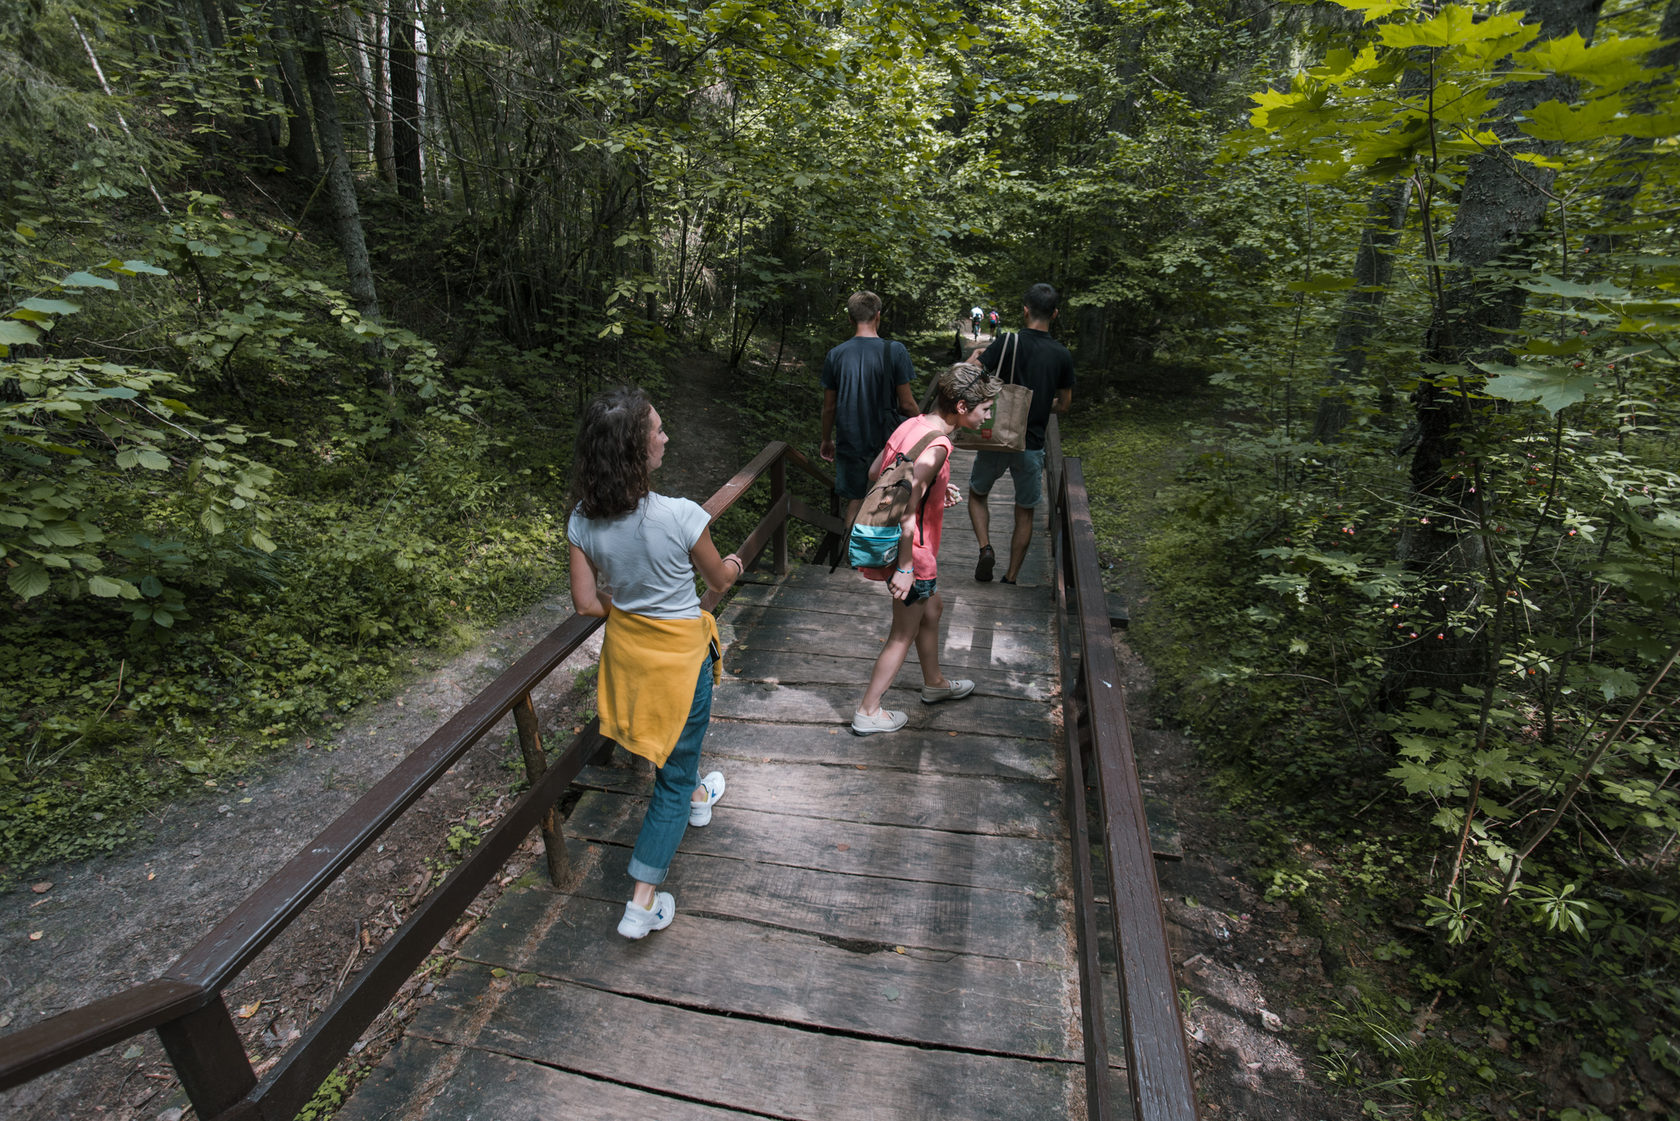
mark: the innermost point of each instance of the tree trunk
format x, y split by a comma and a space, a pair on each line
300, 135
341, 187
1499, 209
1361, 314
445, 114
361, 72
384, 158
405, 104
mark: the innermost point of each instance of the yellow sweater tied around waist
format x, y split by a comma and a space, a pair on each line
648, 672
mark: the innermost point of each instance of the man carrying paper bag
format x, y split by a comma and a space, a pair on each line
1044, 366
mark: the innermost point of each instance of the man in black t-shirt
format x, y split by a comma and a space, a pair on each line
1043, 365
866, 392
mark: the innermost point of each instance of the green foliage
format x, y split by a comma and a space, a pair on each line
332, 1093
180, 604
1283, 568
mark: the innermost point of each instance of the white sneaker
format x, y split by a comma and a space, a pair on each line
639, 922
886, 720
953, 690
700, 813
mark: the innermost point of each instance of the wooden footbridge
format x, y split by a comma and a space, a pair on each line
893, 926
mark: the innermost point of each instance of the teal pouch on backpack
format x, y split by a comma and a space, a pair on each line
872, 546
872, 540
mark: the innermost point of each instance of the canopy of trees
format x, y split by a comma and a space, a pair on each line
299, 295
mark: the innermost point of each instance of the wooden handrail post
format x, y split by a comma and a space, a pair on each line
209, 1056
530, 746
779, 542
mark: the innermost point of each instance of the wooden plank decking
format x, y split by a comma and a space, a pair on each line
871, 927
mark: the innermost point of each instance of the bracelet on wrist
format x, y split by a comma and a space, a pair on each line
905, 571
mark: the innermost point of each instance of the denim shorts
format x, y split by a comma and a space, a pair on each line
1026, 468
851, 476
920, 590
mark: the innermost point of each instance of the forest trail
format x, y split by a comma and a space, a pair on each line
119, 920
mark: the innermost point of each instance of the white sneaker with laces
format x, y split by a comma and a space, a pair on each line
639, 922
887, 720
700, 813
953, 690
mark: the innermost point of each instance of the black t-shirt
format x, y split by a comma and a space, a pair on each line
1041, 364
865, 374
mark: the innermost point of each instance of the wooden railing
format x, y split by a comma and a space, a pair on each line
1099, 746
186, 1005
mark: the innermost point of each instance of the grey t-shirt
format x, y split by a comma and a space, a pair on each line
641, 558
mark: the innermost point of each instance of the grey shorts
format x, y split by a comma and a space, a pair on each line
1025, 468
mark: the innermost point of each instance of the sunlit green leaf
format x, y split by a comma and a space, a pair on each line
50, 307
88, 280
1554, 388
14, 332
1553, 120
106, 587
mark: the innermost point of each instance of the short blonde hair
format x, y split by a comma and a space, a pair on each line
863, 306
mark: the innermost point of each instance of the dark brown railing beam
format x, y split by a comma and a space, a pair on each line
1158, 1060
68, 1036
531, 749
1099, 1090
293, 1081
241, 936
209, 1058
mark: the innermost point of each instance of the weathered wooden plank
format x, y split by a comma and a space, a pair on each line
768, 702
753, 661
1001, 863
958, 803
911, 749
938, 999
482, 1084
872, 912
774, 1069
851, 595
964, 649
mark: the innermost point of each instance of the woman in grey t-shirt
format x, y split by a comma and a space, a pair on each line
634, 554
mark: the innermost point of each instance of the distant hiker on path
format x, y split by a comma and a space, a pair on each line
974, 317
1043, 365
992, 318
963, 399
634, 554
866, 392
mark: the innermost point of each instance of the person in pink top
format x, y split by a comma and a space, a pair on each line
963, 399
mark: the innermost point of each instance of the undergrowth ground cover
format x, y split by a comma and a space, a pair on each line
1560, 1016
408, 542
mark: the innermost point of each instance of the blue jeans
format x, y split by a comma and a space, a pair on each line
666, 819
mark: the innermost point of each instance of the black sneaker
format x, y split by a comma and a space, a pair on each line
983, 570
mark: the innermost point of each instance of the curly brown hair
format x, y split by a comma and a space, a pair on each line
610, 460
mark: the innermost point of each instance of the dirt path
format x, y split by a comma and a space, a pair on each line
105, 924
